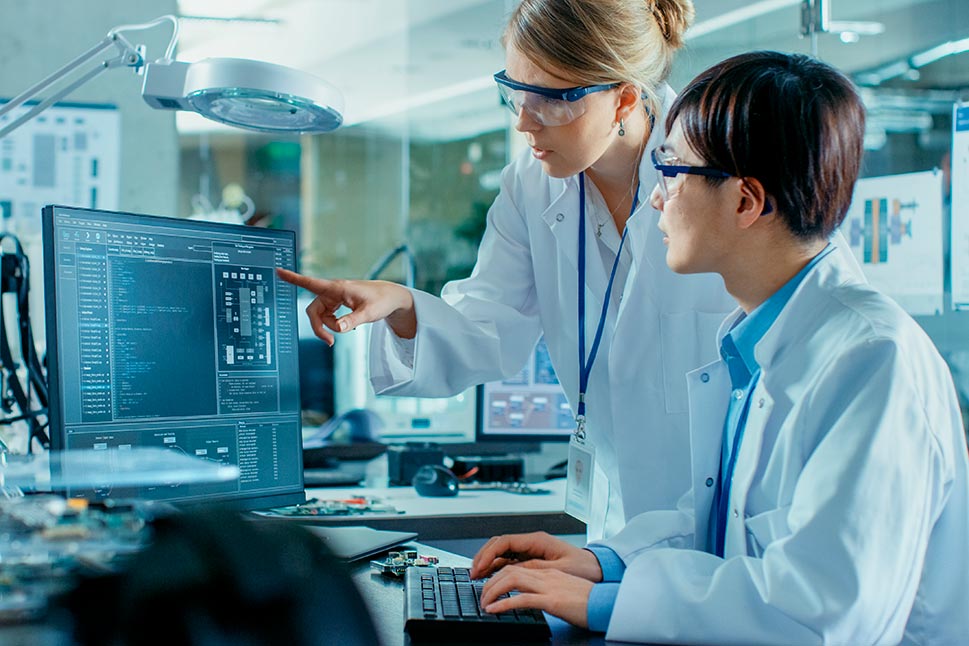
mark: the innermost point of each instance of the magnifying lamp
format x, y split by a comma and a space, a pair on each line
239, 92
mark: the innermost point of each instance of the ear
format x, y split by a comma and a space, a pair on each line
629, 99
753, 201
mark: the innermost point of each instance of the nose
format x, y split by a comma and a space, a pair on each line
656, 198
526, 123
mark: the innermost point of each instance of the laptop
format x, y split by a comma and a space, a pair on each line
355, 543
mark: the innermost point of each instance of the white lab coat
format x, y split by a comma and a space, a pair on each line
525, 283
849, 519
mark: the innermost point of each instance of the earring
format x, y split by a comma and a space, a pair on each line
622, 129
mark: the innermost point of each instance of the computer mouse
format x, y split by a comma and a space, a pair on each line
436, 481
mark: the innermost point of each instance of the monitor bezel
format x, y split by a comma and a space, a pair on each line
236, 500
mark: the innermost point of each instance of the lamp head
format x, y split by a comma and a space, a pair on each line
246, 94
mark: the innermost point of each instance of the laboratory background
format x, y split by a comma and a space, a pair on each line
401, 190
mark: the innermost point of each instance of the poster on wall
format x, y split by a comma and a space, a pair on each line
69, 154
894, 227
960, 207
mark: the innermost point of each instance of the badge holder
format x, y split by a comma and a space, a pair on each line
578, 488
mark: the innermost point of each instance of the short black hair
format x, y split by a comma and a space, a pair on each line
790, 121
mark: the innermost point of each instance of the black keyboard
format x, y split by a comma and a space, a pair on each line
441, 604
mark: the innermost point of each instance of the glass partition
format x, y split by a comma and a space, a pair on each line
418, 161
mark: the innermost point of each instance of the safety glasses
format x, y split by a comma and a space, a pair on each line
666, 171
547, 106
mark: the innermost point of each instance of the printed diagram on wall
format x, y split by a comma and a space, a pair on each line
960, 207
894, 227
68, 155
880, 229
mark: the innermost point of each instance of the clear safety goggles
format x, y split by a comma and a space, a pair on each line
547, 106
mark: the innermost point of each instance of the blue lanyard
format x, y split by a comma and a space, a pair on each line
585, 366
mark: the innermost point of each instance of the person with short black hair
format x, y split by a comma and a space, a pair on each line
830, 499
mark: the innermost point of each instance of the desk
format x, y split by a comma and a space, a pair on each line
470, 514
383, 595
385, 599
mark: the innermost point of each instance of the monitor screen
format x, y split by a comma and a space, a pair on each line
529, 406
167, 332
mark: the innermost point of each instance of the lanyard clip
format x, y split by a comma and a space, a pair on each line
579, 433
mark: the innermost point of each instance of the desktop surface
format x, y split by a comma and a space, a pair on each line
470, 514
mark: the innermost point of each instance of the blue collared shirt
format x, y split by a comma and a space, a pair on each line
737, 351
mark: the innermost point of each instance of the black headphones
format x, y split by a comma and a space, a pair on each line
15, 279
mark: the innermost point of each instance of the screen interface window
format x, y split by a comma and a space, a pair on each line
177, 334
530, 404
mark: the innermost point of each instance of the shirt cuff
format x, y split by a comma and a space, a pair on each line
602, 599
403, 348
612, 566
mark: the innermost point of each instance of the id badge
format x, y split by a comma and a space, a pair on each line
578, 486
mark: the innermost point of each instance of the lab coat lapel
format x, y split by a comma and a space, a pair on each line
761, 405
562, 218
709, 389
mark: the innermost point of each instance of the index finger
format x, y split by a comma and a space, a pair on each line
315, 285
498, 552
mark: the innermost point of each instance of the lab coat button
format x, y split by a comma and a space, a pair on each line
760, 404
738, 394
736, 513
709, 482
559, 217
704, 377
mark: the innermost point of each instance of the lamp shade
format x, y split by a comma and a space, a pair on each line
246, 94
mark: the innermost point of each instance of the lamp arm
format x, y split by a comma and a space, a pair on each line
128, 56
42, 85
57, 96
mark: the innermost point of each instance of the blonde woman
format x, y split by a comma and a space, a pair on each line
571, 251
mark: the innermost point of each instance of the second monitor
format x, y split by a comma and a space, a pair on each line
529, 406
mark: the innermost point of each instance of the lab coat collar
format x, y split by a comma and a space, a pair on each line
799, 316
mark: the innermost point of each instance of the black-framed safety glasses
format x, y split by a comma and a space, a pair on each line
665, 171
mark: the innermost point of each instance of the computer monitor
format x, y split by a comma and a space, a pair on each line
528, 407
167, 332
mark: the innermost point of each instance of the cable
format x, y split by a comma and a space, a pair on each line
169, 51
15, 278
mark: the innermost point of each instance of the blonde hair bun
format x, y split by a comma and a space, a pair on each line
674, 17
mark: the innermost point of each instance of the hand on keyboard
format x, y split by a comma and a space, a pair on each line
537, 550
557, 593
